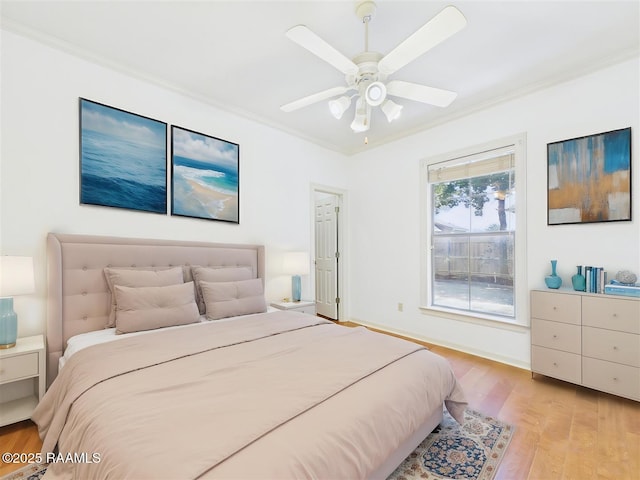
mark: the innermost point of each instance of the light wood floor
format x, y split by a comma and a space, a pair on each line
563, 431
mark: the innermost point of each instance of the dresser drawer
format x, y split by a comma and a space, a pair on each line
556, 335
611, 377
557, 307
612, 313
20, 366
557, 364
610, 345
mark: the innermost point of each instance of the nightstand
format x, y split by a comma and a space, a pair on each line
303, 306
22, 379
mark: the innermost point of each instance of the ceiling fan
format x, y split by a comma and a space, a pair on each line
367, 73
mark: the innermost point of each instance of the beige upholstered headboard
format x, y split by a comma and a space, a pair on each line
78, 296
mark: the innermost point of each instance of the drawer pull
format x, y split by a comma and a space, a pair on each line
615, 348
555, 308
615, 379
555, 364
555, 336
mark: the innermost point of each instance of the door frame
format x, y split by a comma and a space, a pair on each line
343, 244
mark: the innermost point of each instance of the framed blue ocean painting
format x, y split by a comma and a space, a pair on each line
589, 179
205, 176
123, 159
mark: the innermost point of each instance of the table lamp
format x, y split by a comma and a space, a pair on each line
16, 278
296, 264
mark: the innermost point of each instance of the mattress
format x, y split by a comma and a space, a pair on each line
96, 337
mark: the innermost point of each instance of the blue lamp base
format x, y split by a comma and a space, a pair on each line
296, 288
8, 323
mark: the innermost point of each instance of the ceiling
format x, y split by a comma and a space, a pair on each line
234, 54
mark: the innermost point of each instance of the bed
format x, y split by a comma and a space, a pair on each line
268, 394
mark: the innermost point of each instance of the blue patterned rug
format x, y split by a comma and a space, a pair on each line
34, 471
471, 451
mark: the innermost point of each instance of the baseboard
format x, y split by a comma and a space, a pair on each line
453, 346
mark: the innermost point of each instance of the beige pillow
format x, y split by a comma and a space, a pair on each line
222, 274
148, 308
138, 277
229, 299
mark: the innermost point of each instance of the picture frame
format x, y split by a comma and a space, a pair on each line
205, 176
589, 179
123, 159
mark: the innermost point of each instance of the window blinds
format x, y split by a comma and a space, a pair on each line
477, 165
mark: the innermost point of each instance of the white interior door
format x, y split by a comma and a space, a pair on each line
327, 255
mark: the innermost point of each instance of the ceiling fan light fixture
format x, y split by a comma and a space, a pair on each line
391, 110
375, 93
362, 117
338, 106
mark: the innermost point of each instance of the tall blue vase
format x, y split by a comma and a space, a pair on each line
578, 281
553, 280
8, 323
296, 288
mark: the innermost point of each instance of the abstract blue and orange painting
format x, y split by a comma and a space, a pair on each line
123, 159
589, 178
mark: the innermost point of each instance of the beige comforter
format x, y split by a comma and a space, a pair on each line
279, 395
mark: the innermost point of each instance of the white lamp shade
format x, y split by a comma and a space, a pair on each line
339, 106
16, 276
392, 110
296, 263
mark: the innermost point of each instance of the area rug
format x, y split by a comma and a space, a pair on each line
452, 451
34, 471
471, 451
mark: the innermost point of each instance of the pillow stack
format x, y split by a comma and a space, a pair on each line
151, 298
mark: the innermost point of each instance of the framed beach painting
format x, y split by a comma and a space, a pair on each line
589, 179
205, 176
123, 159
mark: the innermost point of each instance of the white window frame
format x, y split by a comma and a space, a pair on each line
520, 318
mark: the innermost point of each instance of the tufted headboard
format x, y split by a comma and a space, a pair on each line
78, 296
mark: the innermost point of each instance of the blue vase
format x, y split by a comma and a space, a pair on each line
8, 323
553, 280
578, 280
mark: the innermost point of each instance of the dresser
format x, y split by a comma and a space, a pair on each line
587, 339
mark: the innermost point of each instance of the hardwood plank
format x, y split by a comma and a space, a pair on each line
21, 437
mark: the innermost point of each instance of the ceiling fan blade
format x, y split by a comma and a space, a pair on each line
316, 45
311, 99
439, 28
421, 93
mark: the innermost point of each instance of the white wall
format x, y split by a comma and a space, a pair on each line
39, 170
39, 177
384, 192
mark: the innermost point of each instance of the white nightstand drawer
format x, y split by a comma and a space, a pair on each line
610, 345
20, 366
557, 364
556, 335
611, 377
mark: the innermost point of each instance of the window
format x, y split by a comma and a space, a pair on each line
471, 230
